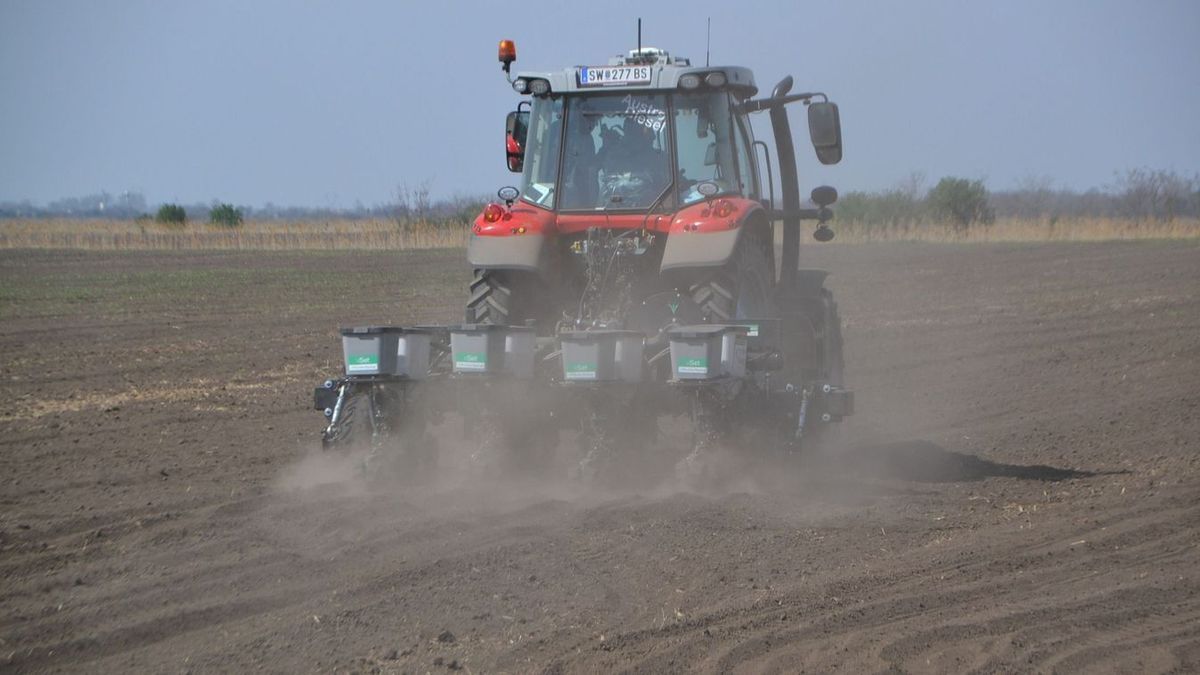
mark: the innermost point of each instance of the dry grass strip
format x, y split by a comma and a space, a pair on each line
336, 235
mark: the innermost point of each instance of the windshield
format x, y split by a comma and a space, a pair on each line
617, 152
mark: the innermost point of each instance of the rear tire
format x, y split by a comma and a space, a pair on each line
831, 434
741, 288
510, 298
491, 298
835, 363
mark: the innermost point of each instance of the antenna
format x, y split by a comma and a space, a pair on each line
639, 51
708, 42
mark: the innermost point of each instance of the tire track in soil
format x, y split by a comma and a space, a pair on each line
984, 580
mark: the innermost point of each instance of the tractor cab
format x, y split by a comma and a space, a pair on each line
604, 147
646, 130
630, 150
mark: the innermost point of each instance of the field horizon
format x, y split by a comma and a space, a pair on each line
393, 235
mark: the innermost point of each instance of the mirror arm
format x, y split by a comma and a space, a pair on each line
760, 104
802, 214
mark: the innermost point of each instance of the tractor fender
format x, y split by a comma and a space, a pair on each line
698, 238
526, 252
519, 240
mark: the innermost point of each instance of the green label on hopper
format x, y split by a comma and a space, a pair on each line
357, 363
581, 371
470, 361
693, 366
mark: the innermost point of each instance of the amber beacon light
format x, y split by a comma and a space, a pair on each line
508, 53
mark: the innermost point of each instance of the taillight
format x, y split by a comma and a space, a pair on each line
723, 208
492, 213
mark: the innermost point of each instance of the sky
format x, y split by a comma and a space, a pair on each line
329, 104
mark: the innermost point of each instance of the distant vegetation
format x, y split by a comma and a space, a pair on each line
961, 202
411, 206
253, 235
171, 214
1140, 204
225, 215
1138, 195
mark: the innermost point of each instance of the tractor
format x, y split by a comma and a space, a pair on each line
640, 272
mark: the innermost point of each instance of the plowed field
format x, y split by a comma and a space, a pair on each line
1018, 491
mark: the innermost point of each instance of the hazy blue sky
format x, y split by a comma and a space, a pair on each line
323, 103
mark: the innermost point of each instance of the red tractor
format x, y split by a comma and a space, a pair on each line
637, 265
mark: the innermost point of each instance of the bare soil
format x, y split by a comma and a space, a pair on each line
1019, 490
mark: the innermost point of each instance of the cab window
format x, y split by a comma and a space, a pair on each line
541, 151
704, 139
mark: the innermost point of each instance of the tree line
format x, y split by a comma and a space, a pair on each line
410, 205
1137, 194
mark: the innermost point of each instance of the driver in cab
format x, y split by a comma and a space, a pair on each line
629, 151
629, 161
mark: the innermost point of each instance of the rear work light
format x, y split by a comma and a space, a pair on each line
716, 79
539, 87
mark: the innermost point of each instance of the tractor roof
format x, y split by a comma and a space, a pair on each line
641, 70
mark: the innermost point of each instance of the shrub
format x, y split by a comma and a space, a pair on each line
226, 215
893, 208
961, 202
171, 214
1161, 195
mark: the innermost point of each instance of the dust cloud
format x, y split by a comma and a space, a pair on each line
480, 473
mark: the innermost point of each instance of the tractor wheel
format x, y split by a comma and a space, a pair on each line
491, 298
820, 436
835, 364
740, 289
392, 445
354, 429
508, 298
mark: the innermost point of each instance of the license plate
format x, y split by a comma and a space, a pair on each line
607, 76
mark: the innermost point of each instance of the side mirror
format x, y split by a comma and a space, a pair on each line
516, 128
825, 129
